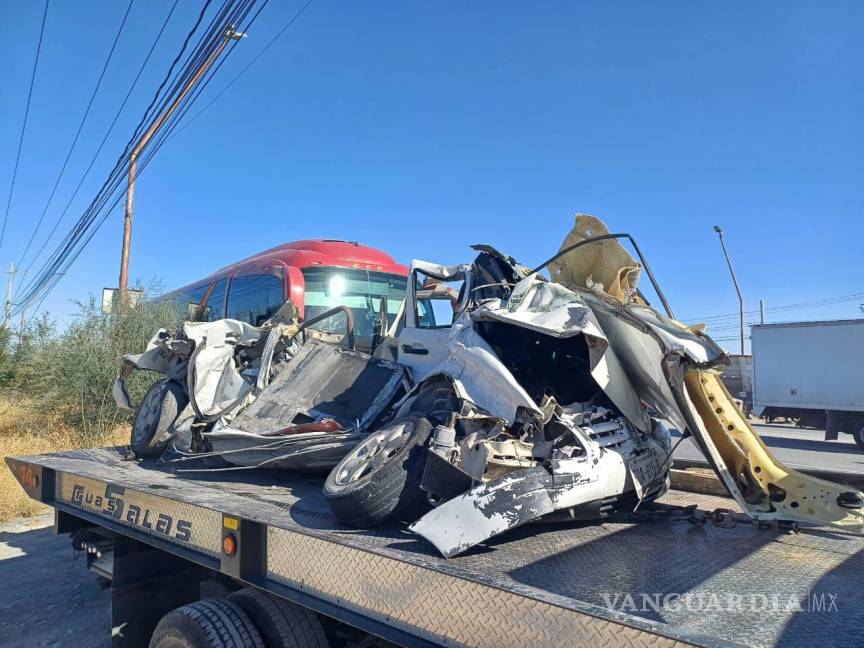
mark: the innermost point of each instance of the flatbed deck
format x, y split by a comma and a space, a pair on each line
631, 581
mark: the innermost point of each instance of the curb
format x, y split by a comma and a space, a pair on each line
697, 482
698, 477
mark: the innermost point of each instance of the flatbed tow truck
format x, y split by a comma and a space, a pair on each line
650, 579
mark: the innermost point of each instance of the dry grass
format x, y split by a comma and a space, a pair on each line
24, 430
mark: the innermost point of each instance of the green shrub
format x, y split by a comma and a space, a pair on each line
71, 371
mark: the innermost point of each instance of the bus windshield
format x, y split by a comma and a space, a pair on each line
360, 290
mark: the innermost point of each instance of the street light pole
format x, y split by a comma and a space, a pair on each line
737, 287
229, 34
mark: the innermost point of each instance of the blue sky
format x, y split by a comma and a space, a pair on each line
424, 127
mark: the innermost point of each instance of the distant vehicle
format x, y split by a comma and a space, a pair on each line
738, 378
811, 372
315, 275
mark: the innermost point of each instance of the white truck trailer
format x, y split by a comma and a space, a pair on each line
812, 372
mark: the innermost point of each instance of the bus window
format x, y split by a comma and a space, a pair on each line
216, 301
190, 303
203, 303
255, 298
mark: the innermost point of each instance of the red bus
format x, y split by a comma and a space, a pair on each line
315, 275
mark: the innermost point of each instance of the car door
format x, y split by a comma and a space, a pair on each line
432, 302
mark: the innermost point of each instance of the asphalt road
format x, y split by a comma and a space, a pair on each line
46, 597
798, 448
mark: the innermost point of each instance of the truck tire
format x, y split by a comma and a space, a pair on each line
213, 623
380, 478
161, 405
282, 624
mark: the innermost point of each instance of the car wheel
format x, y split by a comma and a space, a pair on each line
380, 478
214, 623
161, 405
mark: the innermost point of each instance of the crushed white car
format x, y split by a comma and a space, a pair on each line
499, 397
560, 398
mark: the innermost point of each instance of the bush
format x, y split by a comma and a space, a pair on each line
70, 372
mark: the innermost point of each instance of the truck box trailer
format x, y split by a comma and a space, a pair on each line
738, 378
812, 372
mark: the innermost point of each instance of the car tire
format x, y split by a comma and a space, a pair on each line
161, 405
213, 623
281, 623
380, 478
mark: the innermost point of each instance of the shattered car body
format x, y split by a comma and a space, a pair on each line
262, 396
522, 399
537, 432
312, 413
205, 351
691, 395
573, 455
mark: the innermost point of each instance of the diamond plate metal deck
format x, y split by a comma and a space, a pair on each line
439, 607
583, 572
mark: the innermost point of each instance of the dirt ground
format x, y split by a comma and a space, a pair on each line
47, 598
26, 430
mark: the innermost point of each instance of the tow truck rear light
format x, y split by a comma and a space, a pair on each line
229, 544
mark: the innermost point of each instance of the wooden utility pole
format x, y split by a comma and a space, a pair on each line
229, 35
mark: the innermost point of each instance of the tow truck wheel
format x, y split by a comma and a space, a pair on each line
161, 405
380, 478
213, 623
281, 623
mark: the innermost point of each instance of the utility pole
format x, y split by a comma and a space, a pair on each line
737, 287
761, 311
7, 310
229, 35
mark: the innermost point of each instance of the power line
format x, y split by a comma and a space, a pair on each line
171, 130
232, 15
727, 339
78, 132
243, 71
75, 241
105, 138
814, 303
24, 123
725, 327
73, 244
115, 177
